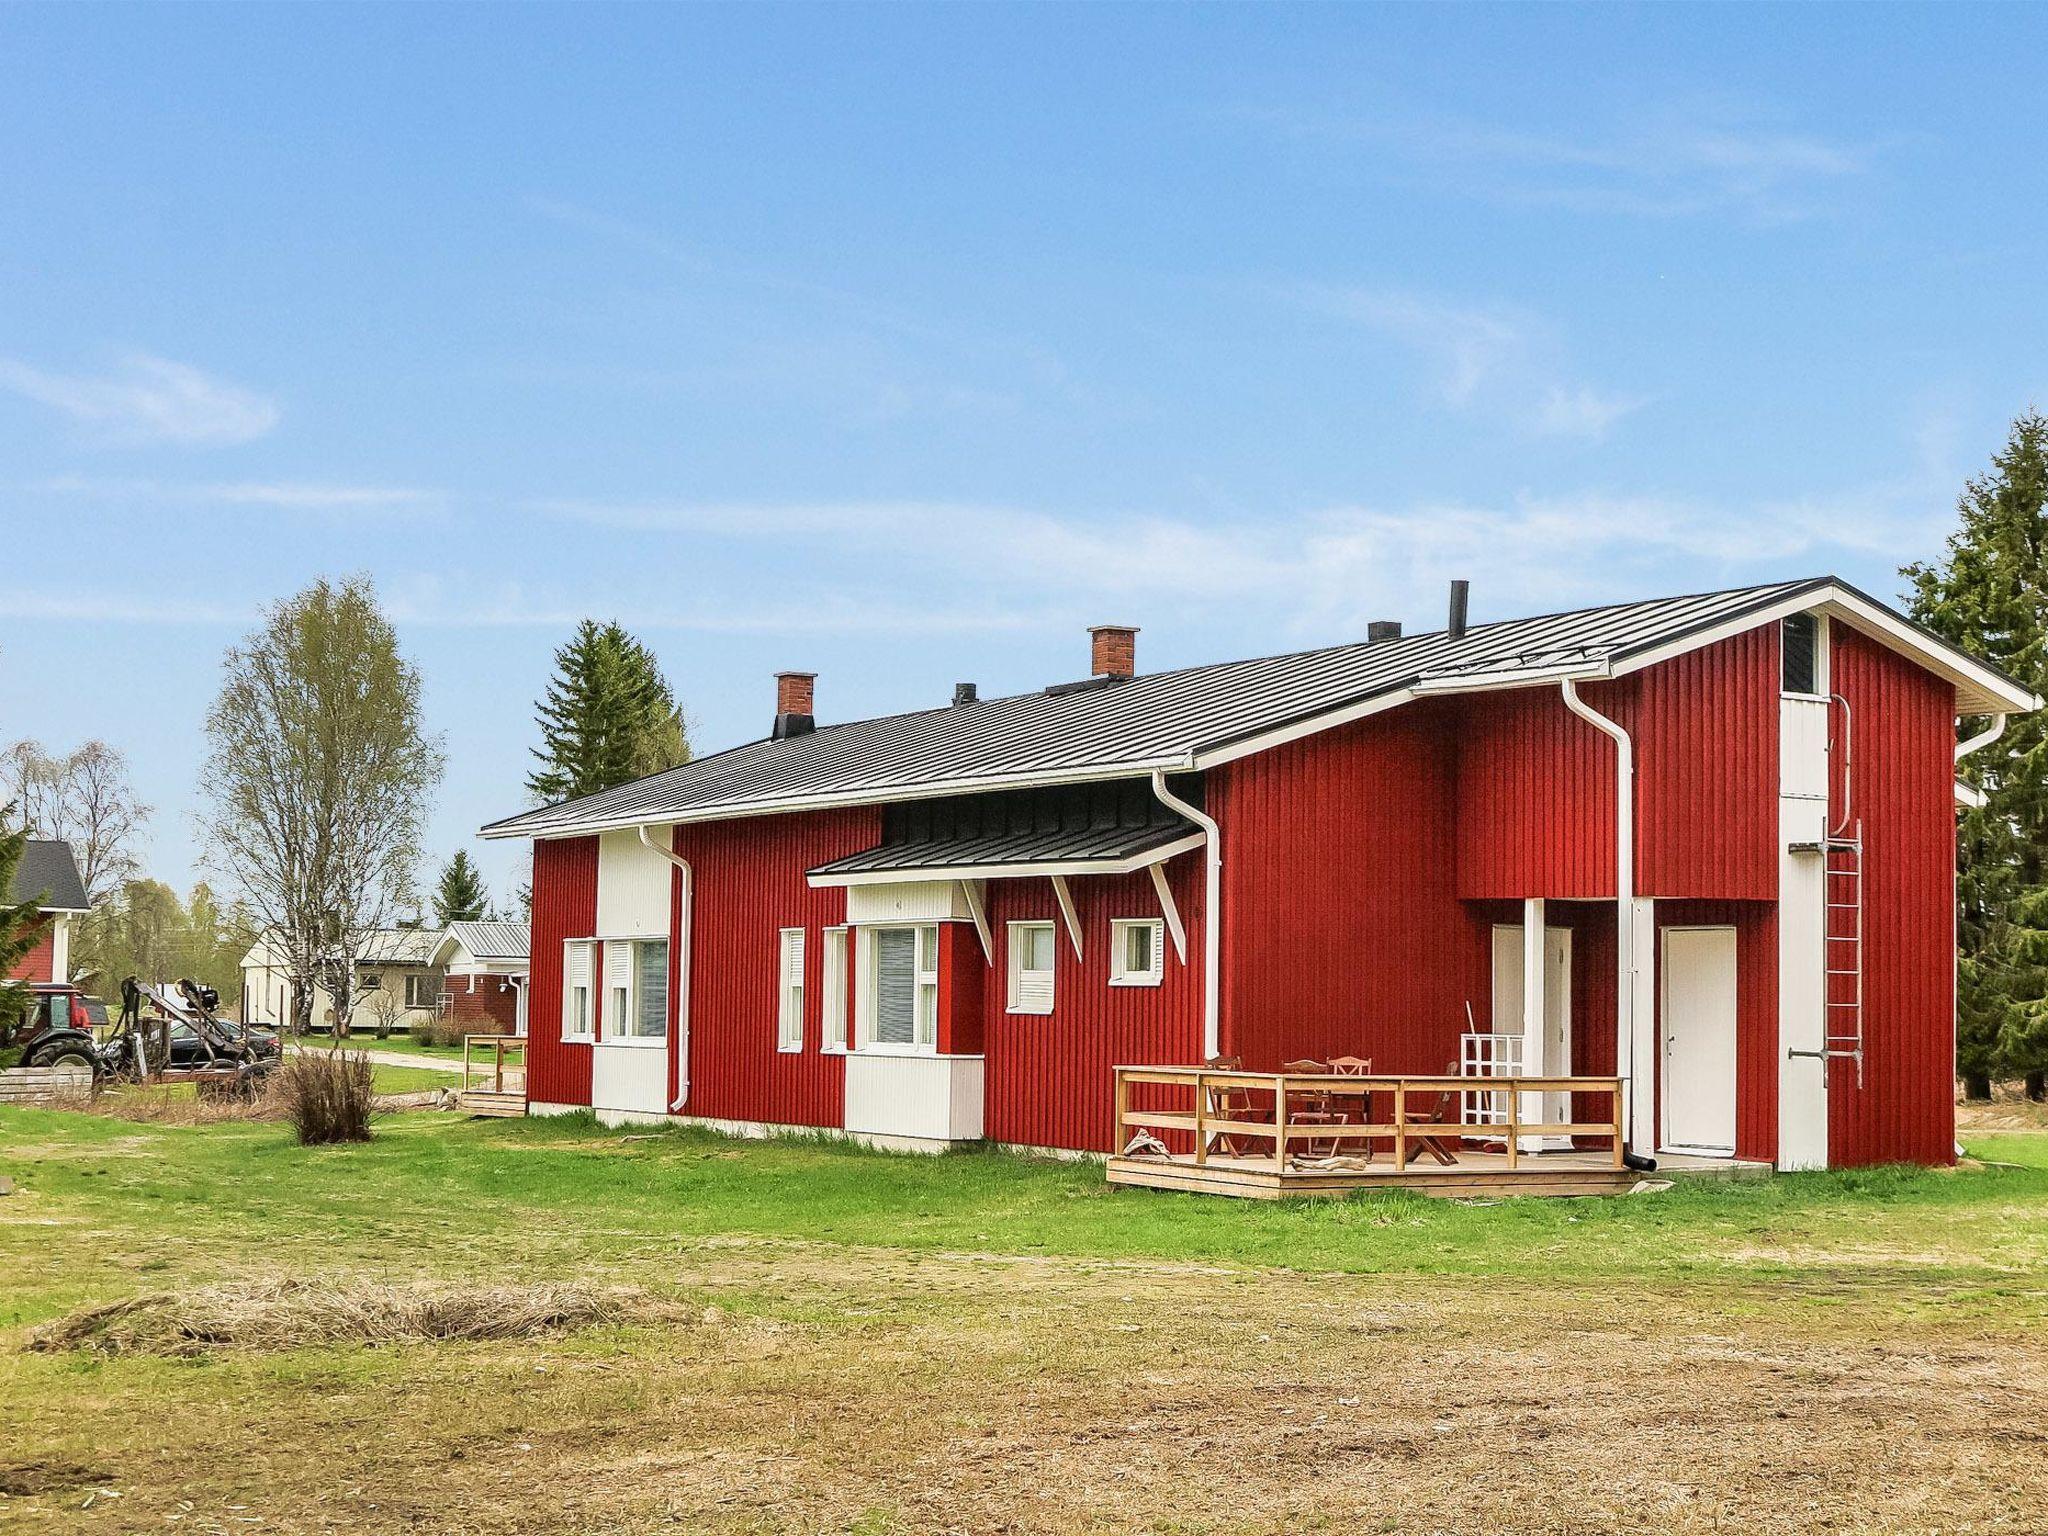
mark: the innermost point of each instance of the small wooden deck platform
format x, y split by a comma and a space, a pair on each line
1477, 1175
494, 1086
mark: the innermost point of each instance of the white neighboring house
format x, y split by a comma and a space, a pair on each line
485, 965
396, 975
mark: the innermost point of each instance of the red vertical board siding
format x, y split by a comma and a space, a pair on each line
1903, 774
1048, 1075
39, 964
963, 977
749, 885
1536, 783
564, 907
1342, 933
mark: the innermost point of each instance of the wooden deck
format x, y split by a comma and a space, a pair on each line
1266, 1135
1479, 1174
493, 1076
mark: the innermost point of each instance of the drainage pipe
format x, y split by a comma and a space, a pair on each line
1212, 910
1626, 1059
1983, 738
682, 966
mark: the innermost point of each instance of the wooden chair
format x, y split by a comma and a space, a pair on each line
1309, 1106
1346, 1104
1439, 1144
1228, 1104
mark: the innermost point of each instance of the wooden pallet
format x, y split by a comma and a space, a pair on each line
45, 1085
479, 1101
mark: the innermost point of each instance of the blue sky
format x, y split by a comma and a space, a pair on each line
903, 344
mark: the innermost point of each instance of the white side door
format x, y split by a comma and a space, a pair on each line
1697, 1007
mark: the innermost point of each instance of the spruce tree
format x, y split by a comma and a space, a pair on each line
21, 922
1989, 595
609, 716
460, 897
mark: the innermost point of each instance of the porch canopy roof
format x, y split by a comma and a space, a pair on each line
1009, 855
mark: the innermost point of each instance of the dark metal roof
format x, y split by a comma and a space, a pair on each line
1039, 845
1161, 720
49, 874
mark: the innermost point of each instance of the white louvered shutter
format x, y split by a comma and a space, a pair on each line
618, 989
575, 980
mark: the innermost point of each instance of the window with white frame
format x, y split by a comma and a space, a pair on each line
834, 1000
1135, 955
649, 1012
789, 1008
900, 988
1802, 655
578, 1009
1030, 948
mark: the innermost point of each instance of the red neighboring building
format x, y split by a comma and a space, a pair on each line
950, 925
48, 875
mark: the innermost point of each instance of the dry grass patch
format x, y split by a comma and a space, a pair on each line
290, 1314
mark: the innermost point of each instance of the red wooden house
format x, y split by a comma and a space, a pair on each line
951, 925
48, 875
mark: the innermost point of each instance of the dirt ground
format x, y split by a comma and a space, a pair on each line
837, 1389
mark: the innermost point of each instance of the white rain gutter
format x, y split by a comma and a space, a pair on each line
1625, 1056
682, 965
1212, 909
1983, 738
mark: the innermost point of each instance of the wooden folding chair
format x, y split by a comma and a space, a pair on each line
1441, 1145
1353, 1066
1227, 1104
1308, 1106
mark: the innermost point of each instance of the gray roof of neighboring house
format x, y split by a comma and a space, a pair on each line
399, 946
49, 874
492, 941
1169, 720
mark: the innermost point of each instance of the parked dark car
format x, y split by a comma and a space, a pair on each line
187, 1050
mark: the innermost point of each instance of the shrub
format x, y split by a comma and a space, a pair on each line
326, 1095
435, 1031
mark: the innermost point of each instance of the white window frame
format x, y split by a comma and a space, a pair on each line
1120, 974
789, 990
924, 1023
589, 989
1015, 1000
615, 1001
1823, 683
834, 1022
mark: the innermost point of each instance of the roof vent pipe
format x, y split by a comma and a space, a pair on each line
793, 694
965, 693
1461, 592
1382, 629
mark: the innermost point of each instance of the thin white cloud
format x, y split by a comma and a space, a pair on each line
148, 400
1682, 163
1495, 359
277, 495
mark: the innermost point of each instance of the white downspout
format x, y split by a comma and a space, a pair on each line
1626, 1064
682, 967
1212, 910
1983, 738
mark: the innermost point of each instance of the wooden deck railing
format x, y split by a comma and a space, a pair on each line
1267, 1107
496, 1076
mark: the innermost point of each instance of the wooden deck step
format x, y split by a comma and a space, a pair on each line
477, 1101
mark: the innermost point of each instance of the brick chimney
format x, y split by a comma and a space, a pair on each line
1115, 649
793, 692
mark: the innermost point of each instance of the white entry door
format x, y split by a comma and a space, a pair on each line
1698, 1008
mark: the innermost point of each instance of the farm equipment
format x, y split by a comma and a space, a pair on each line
165, 1036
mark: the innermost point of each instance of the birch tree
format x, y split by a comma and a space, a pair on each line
84, 798
318, 781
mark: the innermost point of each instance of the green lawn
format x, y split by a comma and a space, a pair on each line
1038, 1352
390, 1079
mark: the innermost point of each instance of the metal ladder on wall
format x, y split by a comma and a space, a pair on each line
1842, 920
